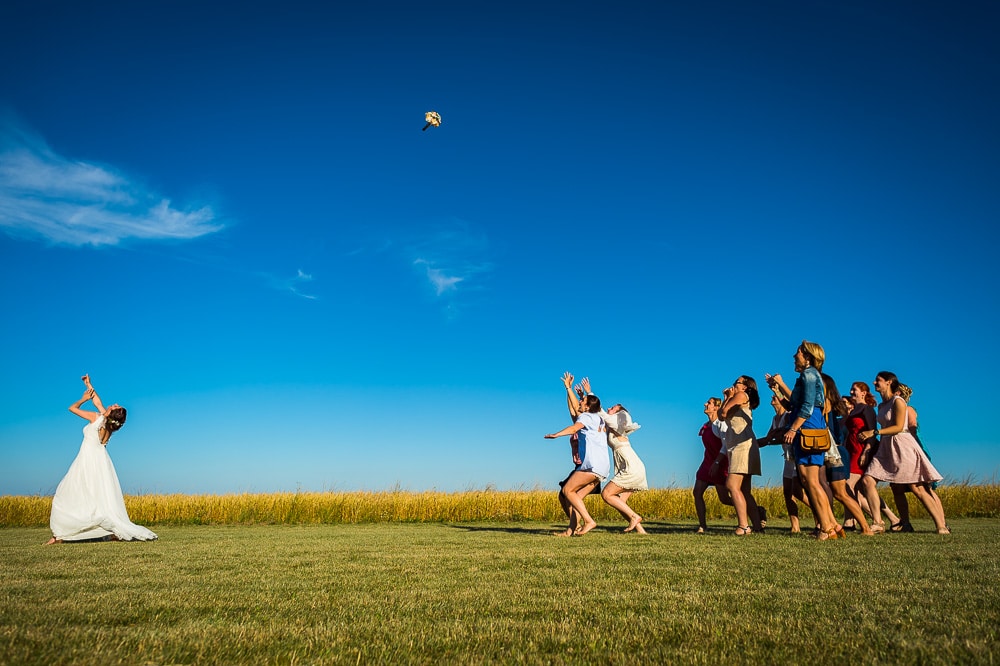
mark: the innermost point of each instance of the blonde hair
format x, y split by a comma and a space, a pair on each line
905, 392
814, 352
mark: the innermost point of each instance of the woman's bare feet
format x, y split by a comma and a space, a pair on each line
52, 541
586, 527
568, 532
633, 524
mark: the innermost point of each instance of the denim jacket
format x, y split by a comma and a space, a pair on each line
807, 393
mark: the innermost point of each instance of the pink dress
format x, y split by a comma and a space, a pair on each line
899, 458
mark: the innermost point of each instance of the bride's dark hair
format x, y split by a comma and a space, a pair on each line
115, 419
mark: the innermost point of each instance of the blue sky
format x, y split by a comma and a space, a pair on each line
227, 214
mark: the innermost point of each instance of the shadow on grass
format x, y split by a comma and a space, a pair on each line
652, 527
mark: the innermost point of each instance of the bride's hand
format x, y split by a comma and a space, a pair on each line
86, 381
88, 394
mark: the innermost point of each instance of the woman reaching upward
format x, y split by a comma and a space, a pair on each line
88, 503
595, 464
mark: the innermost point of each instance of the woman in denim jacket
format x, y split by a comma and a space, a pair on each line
807, 412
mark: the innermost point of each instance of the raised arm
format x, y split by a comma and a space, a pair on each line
733, 398
776, 382
572, 402
83, 413
96, 399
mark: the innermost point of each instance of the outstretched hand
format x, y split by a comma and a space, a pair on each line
86, 381
551, 436
567, 379
585, 383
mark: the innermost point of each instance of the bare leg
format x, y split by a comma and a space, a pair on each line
699, 503
570, 513
902, 504
851, 506
810, 477
753, 511
826, 485
923, 493
870, 488
725, 496
734, 483
578, 486
934, 496
617, 498
852, 483
788, 490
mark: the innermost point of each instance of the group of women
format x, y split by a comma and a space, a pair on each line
865, 447
592, 432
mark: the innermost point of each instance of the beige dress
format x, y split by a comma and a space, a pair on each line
741, 445
630, 472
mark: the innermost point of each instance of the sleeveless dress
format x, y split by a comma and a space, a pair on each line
630, 472
741, 445
712, 446
899, 458
859, 420
88, 503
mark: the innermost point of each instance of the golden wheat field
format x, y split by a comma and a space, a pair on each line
960, 500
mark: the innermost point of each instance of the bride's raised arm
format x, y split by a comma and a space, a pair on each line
94, 397
83, 413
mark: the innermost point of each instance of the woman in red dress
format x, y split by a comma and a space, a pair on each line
711, 472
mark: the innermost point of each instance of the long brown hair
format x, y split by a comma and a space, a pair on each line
115, 419
833, 395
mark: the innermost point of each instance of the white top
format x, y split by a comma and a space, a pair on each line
620, 425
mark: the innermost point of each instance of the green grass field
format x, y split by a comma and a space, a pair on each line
500, 592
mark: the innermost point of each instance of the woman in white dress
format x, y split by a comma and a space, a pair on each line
630, 472
88, 503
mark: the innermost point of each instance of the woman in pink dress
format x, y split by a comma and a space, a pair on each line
899, 459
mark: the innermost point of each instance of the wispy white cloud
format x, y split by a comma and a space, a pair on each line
72, 202
293, 284
438, 278
452, 258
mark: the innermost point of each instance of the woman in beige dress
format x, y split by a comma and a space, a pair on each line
740, 446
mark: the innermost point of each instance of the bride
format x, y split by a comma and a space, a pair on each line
88, 503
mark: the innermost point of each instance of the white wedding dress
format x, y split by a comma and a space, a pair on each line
88, 503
